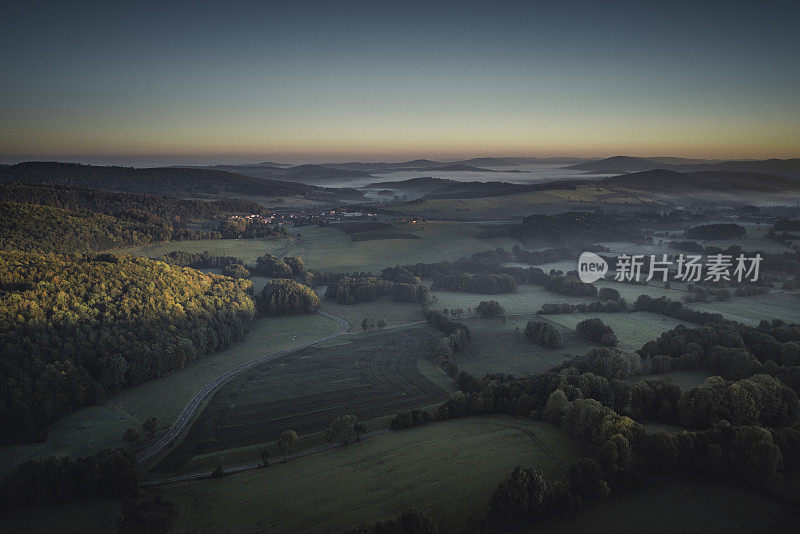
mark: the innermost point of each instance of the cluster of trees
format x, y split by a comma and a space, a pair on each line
73, 327
357, 290
456, 337
486, 283
716, 231
345, 428
108, 474
732, 350
287, 267
595, 330
369, 324
197, 260
286, 297
351, 290
409, 419
759, 399
544, 334
655, 399
671, 308
248, 228
491, 308
235, 270
597, 306
570, 285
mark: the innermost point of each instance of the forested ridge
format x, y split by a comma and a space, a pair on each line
173, 210
36, 228
165, 181
73, 327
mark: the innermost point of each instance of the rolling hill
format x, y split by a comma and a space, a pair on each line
164, 181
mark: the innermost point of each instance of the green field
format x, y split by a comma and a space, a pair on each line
528, 298
752, 310
498, 347
447, 470
685, 507
89, 429
327, 249
395, 313
369, 375
244, 249
632, 329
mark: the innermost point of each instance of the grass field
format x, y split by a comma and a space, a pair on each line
447, 470
498, 347
369, 375
682, 506
527, 299
327, 249
395, 313
751, 310
89, 429
632, 329
245, 249
74, 518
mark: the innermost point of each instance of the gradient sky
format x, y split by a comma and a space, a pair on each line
169, 82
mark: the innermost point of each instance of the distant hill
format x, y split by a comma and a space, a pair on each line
621, 164
780, 167
459, 167
309, 174
163, 181
669, 181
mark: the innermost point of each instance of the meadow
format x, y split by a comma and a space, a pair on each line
447, 470
395, 313
328, 249
499, 347
632, 329
683, 505
95, 427
369, 375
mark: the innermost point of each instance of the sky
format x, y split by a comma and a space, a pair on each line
209, 82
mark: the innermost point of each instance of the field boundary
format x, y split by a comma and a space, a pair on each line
191, 408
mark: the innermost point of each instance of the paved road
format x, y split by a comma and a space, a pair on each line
279, 460
180, 424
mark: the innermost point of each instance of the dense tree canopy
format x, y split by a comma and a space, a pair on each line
286, 297
75, 326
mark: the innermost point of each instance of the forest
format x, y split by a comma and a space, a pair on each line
75, 327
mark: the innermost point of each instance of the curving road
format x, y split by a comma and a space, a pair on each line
183, 420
